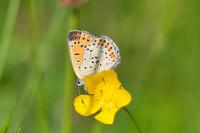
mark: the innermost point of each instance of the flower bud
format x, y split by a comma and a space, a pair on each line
72, 3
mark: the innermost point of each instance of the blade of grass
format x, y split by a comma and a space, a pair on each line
7, 31
37, 70
42, 118
67, 118
33, 82
56, 23
6, 124
25, 101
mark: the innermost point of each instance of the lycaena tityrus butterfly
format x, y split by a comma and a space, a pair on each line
90, 54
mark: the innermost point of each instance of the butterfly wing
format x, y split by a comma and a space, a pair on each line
77, 42
100, 54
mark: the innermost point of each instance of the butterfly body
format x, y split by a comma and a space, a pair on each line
90, 54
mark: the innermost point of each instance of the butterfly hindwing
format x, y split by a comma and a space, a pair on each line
101, 54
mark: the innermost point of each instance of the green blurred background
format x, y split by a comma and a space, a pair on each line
159, 41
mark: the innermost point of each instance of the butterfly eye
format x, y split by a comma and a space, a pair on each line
80, 82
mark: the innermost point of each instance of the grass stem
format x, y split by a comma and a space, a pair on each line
7, 31
68, 89
133, 120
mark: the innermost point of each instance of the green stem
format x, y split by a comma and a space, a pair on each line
32, 85
41, 109
133, 119
36, 67
7, 31
6, 124
67, 118
25, 102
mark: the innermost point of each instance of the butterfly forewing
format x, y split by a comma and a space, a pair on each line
77, 41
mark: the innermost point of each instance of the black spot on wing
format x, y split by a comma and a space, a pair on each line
76, 54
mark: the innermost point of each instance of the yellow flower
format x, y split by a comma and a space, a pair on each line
105, 97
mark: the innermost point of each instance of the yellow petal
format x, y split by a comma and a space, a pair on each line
122, 97
105, 78
91, 82
86, 105
107, 113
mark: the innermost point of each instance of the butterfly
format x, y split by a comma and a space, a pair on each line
90, 55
